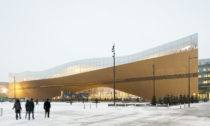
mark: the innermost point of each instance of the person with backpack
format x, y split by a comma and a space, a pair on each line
18, 108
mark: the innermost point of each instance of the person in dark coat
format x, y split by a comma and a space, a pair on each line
31, 108
96, 100
18, 108
71, 101
47, 106
37, 101
27, 105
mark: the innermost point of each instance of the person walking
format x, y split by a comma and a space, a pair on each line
83, 100
27, 106
96, 101
47, 107
31, 108
37, 101
18, 108
71, 101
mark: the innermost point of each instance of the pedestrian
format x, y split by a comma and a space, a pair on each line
47, 107
83, 100
37, 101
17, 107
71, 101
96, 100
27, 108
31, 108
137, 99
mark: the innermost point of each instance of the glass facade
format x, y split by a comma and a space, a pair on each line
204, 78
86, 65
101, 93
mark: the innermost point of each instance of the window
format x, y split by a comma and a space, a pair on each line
204, 63
205, 82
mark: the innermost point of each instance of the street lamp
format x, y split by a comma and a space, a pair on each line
153, 69
14, 88
189, 58
4, 90
113, 50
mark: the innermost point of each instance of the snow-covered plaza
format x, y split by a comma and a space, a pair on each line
64, 114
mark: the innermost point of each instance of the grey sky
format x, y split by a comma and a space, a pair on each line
40, 34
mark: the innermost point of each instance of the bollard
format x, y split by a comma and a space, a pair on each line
84, 106
180, 106
168, 105
145, 105
90, 106
156, 106
184, 105
1, 111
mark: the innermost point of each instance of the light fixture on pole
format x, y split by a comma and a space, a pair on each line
14, 88
153, 69
113, 50
189, 58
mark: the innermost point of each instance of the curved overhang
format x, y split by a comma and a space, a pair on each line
77, 67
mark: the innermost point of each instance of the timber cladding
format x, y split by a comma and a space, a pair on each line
171, 74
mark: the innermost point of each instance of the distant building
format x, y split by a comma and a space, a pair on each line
204, 78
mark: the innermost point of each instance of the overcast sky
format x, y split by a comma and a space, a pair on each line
39, 34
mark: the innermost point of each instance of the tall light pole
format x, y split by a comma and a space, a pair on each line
189, 58
113, 50
14, 88
153, 69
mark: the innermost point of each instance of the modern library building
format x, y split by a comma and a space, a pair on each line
169, 69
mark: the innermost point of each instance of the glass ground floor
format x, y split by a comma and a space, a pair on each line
106, 94
102, 93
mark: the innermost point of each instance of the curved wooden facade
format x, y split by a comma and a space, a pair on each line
171, 77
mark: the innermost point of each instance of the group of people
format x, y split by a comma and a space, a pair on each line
29, 107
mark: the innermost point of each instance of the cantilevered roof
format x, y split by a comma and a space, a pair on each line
181, 45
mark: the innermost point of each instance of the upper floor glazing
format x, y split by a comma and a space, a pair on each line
86, 65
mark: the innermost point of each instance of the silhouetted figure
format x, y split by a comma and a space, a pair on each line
83, 100
47, 106
31, 109
96, 100
71, 101
27, 108
37, 101
137, 99
17, 107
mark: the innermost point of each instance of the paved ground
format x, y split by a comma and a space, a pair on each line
77, 115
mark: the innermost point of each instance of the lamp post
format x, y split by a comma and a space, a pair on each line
153, 69
113, 50
189, 58
14, 88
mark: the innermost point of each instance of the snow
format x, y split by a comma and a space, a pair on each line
63, 114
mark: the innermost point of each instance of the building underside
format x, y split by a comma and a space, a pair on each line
171, 77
